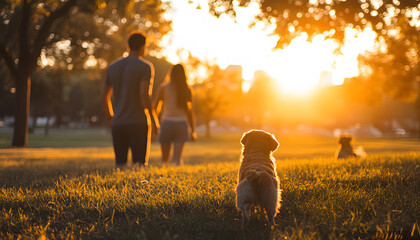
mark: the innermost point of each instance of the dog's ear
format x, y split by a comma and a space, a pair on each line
273, 143
244, 138
345, 139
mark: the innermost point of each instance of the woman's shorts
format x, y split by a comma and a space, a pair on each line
173, 131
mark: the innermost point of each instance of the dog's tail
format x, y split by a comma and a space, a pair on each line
267, 191
360, 152
257, 179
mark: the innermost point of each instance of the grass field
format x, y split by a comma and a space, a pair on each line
64, 187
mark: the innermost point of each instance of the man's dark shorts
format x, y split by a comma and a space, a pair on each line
133, 136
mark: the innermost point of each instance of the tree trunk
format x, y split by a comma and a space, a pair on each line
418, 127
23, 92
47, 125
33, 125
208, 130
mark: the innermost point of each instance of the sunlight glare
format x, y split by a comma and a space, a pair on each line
227, 41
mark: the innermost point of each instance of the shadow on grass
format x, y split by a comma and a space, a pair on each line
41, 178
195, 219
373, 198
67, 139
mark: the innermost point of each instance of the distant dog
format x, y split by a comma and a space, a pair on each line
346, 149
258, 182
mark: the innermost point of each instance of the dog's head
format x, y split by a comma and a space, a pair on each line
261, 140
345, 140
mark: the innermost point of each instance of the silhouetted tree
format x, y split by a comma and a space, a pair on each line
396, 70
29, 28
321, 16
208, 99
6, 93
40, 99
417, 109
209, 96
260, 97
391, 20
208, 103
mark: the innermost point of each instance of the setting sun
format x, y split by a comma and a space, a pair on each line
210, 119
298, 68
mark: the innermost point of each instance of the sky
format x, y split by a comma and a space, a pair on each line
227, 41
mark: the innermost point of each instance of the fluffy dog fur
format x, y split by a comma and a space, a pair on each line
346, 149
258, 182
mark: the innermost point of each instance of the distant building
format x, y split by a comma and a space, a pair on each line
232, 78
325, 79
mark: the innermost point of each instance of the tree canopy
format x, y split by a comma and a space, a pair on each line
72, 31
69, 34
394, 70
324, 16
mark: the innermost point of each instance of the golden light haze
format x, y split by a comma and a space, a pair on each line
228, 41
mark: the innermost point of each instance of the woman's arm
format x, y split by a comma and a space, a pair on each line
147, 103
190, 118
157, 102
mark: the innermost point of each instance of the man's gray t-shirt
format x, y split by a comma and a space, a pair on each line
125, 75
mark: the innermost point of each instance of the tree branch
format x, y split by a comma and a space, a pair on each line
8, 59
23, 35
44, 31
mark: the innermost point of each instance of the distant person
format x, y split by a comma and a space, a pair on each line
130, 80
177, 120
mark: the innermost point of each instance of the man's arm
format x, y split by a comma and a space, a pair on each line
147, 103
106, 100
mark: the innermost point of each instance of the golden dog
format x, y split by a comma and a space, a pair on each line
346, 148
258, 182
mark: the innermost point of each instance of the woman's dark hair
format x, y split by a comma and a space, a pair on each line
183, 91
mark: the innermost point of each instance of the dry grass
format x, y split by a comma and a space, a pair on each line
75, 192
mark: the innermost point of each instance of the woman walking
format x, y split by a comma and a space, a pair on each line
177, 121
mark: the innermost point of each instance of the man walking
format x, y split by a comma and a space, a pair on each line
130, 80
